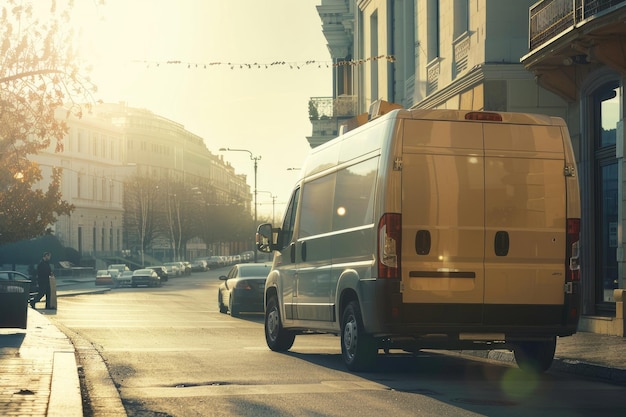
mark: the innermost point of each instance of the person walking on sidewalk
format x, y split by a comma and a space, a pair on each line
43, 280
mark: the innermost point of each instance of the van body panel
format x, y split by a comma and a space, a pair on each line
525, 198
443, 197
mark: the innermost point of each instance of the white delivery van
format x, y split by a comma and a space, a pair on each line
431, 229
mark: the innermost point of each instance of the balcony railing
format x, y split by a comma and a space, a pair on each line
327, 107
550, 18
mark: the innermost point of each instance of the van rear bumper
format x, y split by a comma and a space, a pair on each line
394, 319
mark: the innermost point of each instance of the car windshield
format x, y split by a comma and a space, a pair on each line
254, 271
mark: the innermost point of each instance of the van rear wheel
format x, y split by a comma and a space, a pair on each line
358, 349
278, 339
535, 356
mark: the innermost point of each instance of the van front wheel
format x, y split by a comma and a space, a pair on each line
535, 356
278, 339
359, 349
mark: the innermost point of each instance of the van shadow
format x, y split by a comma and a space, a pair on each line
438, 376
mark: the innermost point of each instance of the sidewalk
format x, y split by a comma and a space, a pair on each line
584, 354
39, 372
39, 375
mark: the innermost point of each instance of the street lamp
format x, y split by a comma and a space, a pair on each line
255, 159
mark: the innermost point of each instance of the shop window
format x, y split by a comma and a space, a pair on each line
605, 118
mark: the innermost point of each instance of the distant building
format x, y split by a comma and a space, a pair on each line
109, 145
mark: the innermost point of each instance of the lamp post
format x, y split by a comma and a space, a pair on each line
255, 159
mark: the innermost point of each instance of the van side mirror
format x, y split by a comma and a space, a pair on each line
265, 241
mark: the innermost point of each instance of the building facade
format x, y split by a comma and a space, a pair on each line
113, 143
475, 55
577, 50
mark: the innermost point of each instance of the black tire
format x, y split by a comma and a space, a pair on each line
220, 304
358, 349
234, 311
535, 356
277, 338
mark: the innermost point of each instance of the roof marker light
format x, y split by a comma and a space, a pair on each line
483, 116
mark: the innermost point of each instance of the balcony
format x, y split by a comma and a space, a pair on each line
327, 114
570, 38
328, 107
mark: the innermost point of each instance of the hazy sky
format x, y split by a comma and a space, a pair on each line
263, 110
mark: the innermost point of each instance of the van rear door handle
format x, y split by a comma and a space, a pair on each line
292, 253
501, 243
303, 251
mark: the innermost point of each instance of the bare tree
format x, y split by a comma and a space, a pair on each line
141, 217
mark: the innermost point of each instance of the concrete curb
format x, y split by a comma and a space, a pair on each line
104, 398
65, 398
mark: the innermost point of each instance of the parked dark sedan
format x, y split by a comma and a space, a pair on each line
161, 272
242, 289
145, 277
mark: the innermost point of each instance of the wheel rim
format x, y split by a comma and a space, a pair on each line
272, 323
350, 335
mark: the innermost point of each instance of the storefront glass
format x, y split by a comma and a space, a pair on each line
606, 116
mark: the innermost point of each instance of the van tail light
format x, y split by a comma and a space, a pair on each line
573, 250
389, 245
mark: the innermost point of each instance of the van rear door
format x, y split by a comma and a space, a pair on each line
525, 211
443, 206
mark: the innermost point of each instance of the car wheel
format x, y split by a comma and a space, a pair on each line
220, 304
358, 349
535, 356
234, 311
277, 338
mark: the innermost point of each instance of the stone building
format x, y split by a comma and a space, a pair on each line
562, 58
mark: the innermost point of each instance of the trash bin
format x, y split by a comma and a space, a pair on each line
14, 297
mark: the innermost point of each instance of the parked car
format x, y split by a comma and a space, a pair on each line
242, 289
104, 277
116, 269
215, 262
161, 272
247, 256
145, 276
123, 279
199, 265
173, 269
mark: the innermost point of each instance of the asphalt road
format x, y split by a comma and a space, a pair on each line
171, 353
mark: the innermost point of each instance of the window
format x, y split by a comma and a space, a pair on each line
461, 17
354, 195
290, 220
432, 38
605, 117
316, 211
374, 53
